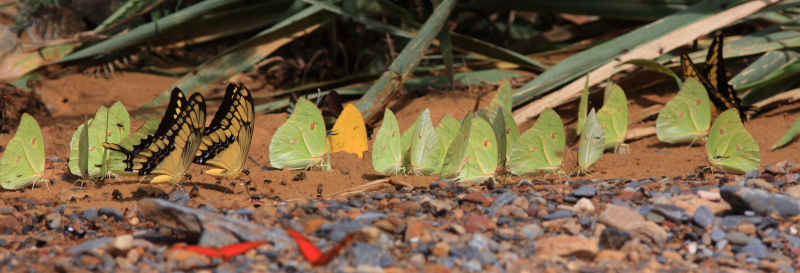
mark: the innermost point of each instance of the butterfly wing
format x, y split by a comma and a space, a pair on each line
169, 152
480, 161
299, 143
687, 117
540, 150
387, 156
426, 148
351, 132
592, 142
715, 79
23, 161
730, 147
227, 139
613, 116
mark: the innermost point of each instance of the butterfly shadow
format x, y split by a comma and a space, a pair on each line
372, 176
664, 145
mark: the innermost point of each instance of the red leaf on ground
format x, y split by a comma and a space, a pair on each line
312, 252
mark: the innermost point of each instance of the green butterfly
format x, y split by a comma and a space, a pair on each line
540, 150
592, 143
108, 125
472, 155
22, 163
387, 156
447, 129
730, 147
504, 99
426, 153
685, 118
583, 106
613, 116
299, 143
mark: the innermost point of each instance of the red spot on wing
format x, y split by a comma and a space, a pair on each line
681, 115
721, 131
699, 102
110, 133
739, 148
486, 143
553, 135
313, 124
19, 158
33, 141
534, 149
294, 140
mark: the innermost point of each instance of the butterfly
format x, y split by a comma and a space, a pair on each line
730, 147
23, 162
226, 141
714, 79
169, 152
330, 105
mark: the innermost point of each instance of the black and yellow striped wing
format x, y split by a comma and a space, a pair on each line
226, 141
715, 79
169, 152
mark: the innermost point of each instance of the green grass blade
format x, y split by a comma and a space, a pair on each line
788, 137
627, 9
406, 61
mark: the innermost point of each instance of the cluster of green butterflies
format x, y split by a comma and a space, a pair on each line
104, 145
479, 147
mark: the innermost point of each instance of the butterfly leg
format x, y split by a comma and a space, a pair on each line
46, 183
622, 149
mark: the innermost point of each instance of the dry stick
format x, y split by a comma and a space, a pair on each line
646, 51
645, 114
789, 96
639, 133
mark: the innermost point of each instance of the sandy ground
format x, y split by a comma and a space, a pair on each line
648, 157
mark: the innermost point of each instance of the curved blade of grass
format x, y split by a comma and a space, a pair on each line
406, 61
761, 68
581, 63
149, 30
657, 67
788, 137
679, 33
244, 55
446, 47
630, 9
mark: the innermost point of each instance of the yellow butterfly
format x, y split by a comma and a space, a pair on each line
226, 141
169, 152
714, 79
350, 133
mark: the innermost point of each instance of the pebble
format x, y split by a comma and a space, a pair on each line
567, 246
755, 247
703, 217
111, 212
737, 238
760, 201
585, 191
557, 215
612, 238
758, 183
179, 197
717, 234
89, 214
672, 213
479, 198
532, 231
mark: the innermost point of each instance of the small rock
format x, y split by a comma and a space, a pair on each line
179, 197
703, 217
557, 215
584, 206
567, 246
89, 214
793, 191
760, 201
441, 249
312, 225
620, 217
585, 191
755, 247
737, 238
123, 242
613, 255
531, 231
655, 217
612, 238
416, 228
709, 195
11, 223
187, 259
672, 213
758, 183
53, 221
477, 222
408, 207
479, 198
111, 212
717, 234
747, 228
672, 256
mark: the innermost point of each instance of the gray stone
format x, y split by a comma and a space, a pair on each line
703, 217
755, 248
670, 212
179, 197
585, 191
737, 238
89, 214
111, 212
531, 231
717, 234
612, 238
557, 215
759, 201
